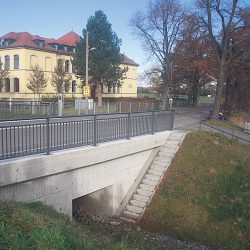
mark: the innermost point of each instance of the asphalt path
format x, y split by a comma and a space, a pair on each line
188, 118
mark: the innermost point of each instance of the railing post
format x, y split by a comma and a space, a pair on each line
128, 126
200, 123
95, 131
153, 121
232, 135
120, 107
47, 137
172, 120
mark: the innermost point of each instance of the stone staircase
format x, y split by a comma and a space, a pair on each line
149, 183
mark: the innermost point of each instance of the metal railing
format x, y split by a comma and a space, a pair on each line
25, 109
228, 129
22, 137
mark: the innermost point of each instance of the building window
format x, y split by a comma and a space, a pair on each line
73, 86
7, 85
7, 62
67, 66
109, 88
48, 64
16, 85
16, 61
33, 61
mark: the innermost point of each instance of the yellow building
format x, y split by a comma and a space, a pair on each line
19, 52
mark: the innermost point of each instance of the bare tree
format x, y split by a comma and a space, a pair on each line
60, 78
3, 75
220, 19
37, 81
158, 30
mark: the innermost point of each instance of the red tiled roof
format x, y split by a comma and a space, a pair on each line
129, 61
69, 39
25, 39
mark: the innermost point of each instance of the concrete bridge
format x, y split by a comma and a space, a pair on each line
103, 178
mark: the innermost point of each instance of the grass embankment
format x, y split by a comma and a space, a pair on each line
36, 226
205, 196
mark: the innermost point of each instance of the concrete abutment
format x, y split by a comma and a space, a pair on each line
98, 176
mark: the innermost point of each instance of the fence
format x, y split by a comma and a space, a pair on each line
9, 109
44, 135
228, 129
25, 109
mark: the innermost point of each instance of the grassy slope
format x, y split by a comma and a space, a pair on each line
36, 226
205, 195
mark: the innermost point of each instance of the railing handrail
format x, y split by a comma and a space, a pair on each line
225, 132
21, 139
78, 116
231, 124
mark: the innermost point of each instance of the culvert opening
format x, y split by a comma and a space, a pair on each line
96, 206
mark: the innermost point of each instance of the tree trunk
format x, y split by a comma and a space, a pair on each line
196, 92
99, 94
219, 88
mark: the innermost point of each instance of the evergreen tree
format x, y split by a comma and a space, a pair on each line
104, 57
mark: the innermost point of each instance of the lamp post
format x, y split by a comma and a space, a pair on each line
87, 70
87, 58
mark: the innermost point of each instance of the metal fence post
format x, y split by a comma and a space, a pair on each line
95, 131
172, 120
128, 126
47, 136
120, 107
153, 121
232, 136
200, 123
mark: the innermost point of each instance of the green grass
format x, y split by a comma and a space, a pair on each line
205, 195
36, 226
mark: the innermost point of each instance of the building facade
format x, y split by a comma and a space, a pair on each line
19, 52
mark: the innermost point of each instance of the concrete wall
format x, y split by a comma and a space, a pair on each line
65, 175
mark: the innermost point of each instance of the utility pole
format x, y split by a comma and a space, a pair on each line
87, 58
87, 69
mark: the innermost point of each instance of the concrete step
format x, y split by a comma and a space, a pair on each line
162, 164
134, 209
151, 177
143, 192
165, 154
162, 159
137, 203
147, 187
173, 142
166, 151
170, 149
154, 172
130, 215
140, 198
149, 182
158, 168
